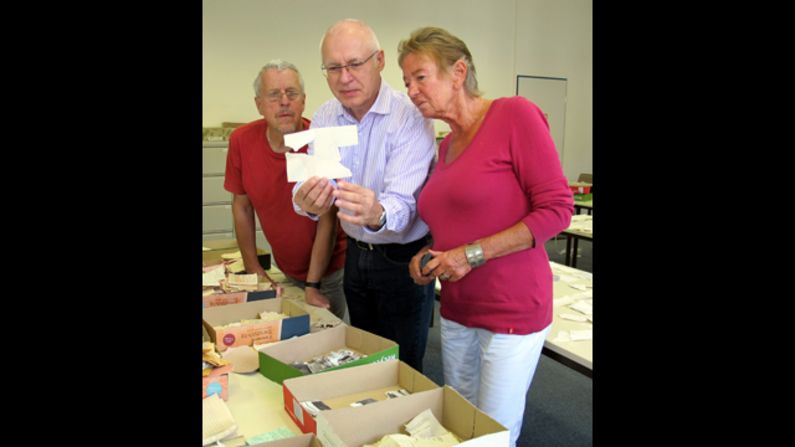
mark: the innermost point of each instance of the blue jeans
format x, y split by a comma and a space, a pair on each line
383, 299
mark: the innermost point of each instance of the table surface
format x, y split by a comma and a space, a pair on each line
257, 405
581, 351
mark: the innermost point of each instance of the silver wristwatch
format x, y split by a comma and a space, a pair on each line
382, 219
474, 254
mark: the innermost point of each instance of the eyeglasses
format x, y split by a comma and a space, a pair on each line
276, 95
353, 67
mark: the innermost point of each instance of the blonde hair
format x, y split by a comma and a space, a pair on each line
444, 49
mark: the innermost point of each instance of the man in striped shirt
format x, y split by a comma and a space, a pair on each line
378, 204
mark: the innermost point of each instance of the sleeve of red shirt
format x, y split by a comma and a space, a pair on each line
537, 166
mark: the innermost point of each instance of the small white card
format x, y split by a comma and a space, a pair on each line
585, 334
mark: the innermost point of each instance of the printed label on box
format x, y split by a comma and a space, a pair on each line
257, 333
222, 299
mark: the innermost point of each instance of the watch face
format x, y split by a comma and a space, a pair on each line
382, 220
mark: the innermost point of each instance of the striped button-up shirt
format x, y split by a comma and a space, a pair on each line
393, 158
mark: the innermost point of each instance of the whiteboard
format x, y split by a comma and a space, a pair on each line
549, 94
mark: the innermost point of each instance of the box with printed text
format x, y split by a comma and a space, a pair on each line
216, 319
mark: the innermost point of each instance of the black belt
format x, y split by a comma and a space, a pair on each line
370, 246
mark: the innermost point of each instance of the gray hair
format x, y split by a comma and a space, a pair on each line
278, 65
373, 40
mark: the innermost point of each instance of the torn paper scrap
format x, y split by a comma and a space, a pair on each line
573, 317
582, 306
585, 334
325, 157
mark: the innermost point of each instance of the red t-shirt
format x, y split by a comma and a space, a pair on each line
253, 169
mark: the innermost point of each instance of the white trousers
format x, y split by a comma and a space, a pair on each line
493, 371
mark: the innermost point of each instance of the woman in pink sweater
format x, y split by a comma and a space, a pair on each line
495, 196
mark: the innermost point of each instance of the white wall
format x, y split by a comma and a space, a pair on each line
554, 38
506, 37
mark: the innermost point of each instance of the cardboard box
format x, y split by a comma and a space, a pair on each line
580, 187
222, 299
297, 323
338, 389
217, 382
305, 440
349, 427
274, 361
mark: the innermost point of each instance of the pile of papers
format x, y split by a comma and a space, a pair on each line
326, 361
423, 431
217, 421
229, 277
211, 359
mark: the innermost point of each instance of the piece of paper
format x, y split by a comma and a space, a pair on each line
242, 280
582, 287
213, 267
324, 161
213, 277
302, 166
582, 306
217, 420
562, 336
236, 267
573, 317
425, 425
234, 255
273, 435
297, 140
585, 334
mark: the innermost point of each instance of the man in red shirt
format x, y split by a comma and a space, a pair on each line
311, 254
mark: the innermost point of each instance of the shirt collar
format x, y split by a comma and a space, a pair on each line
380, 106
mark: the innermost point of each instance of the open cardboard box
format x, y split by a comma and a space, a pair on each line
275, 360
340, 388
222, 299
353, 427
297, 323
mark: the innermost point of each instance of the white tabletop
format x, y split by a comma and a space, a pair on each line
564, 294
